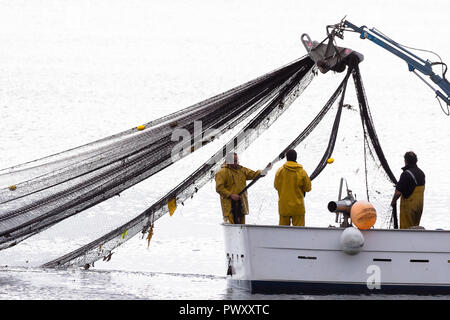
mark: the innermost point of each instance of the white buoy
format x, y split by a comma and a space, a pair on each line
352, 241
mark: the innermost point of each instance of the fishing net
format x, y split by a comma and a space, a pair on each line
38, 194
380, 181
143, 223
377, 173
50, 189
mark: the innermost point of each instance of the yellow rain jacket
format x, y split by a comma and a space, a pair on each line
231, 181
291, 181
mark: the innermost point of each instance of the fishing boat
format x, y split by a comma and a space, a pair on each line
314, 260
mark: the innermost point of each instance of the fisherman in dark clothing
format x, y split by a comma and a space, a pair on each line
410, 188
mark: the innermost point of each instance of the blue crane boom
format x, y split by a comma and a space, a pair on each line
330, 57
414, 62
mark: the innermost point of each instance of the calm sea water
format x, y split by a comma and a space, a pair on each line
25, 284
77, 71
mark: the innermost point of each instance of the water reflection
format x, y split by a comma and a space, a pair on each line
78, 284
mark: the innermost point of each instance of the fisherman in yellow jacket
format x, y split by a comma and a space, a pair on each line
291, 182
230, 181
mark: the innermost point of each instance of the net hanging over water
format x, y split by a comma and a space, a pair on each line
103, 246
143, 223
38, 194
61, 185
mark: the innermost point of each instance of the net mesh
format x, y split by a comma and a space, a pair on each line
378, 175
103, 246
53, 188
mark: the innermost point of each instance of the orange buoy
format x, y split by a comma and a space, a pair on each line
363, 215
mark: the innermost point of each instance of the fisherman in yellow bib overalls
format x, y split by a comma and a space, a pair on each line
410, 189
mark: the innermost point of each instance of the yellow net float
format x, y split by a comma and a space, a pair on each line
13, 187
141, 127
330, 160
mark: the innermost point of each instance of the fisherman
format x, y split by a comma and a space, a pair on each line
291, 182
410, 189
230, 181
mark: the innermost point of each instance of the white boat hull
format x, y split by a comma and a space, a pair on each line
280, 259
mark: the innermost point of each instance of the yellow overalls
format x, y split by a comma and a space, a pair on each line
411, 208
